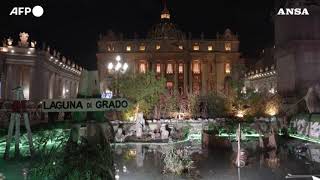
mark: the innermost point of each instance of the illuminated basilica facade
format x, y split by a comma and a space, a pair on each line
189, 65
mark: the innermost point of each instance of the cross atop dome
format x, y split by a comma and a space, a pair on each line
165, 14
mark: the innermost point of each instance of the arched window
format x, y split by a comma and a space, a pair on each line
158, 68
142, 68
180, 68
196, 67
228, 68
227, 46
169, 68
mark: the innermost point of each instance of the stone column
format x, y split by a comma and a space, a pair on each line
185, 78
150, 65
9, 82
3, 86
204, 77
190, 77
154, 67
163, 69
176, 72
71, 89
51, 86
46, 85
77, 88
57, 85
31, 83
15, 78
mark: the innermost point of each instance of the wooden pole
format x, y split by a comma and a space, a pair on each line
17, 135
29, 133
239, 147
18, 112
9, 137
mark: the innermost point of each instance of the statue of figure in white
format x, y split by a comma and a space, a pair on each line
315, 129
119, 136
24, 39
33, 44
9, 42
313, 99
139, 124
153, 135
164, 132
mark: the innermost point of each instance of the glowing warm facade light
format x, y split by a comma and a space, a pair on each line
128, 48
29, 52
169, 69
227, 46
196, 48
12, 51
227, 68
158, 70
180, 68
142, 68
142, 48
196, 68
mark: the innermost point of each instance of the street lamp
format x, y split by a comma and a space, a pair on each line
117, 67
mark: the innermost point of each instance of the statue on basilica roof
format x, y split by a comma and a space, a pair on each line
24, 39
9, 41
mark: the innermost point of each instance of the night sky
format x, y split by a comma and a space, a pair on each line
73, 26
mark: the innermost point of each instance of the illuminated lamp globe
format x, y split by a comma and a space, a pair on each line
125, 66
118, 58
110, 66
118, 66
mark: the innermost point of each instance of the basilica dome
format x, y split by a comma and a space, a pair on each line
166, 29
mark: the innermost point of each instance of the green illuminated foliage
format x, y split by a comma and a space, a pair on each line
142, 90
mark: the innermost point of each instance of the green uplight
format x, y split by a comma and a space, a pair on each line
234, 135
305, 138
